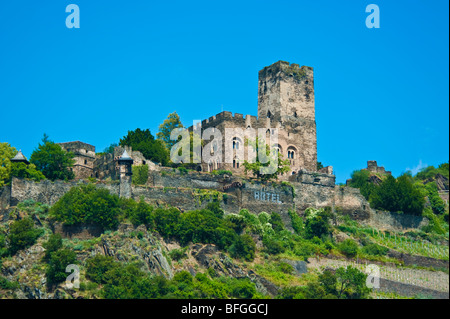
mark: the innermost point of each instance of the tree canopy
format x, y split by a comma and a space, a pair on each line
144, 142
53, 161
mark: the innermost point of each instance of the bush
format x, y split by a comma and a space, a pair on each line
222, 172
22, 235
53, 244
375, 250
348, 247
140, 174
277, 222
98, 266
244, 247
178, 254
272, 245
56, 267
86, 204
317, 224
142, 214
285, 268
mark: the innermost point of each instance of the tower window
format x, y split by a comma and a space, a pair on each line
269, 115
85, 161
295, 114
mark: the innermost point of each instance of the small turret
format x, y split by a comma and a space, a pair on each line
20, 158
125, 171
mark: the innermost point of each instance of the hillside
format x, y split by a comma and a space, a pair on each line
130, 249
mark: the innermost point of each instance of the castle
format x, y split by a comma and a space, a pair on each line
285, 104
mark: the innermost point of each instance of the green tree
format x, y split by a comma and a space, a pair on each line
53, 244
53, 161
140, 174
244, 247
22, 234
144, 142
87, 204
165, 129
6, 153
57, 264
23, 170
272, 160
360, 179
351, 283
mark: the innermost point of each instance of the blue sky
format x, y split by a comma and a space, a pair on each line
381, 94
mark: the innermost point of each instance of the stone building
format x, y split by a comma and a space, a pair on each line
286, 103
84, 158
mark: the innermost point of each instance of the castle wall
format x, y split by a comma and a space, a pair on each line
194, 191
83, 167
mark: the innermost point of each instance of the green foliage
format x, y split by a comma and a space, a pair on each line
222, 172
6, 153
374, 250
22, 234
178, 254
349, 248
121, 281
53, 244
243, 247
23, 170
142, 215
98, 266
54, 162
140, 174
297, 223
57, 264
277, 222
89, 205
144, 142
319, 165
165, 129
317, 223
351, 283
360, 179
429, 173
267, 168
398, 196
5, 284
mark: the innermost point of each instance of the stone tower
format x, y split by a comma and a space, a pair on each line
286, 100
125, 172
286, 92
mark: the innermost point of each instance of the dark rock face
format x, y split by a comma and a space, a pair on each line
209, 256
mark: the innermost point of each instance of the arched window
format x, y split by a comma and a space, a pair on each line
236, 143
291, 153
269, 115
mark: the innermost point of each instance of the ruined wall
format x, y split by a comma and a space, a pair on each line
47, 192
83, 167
5, 199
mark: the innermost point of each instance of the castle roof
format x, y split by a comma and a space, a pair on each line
125, 157
20, 158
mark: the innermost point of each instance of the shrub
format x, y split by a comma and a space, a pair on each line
272, 245
317, 224
178, 254
53, 244
22, 235
375, 250
140, 174
86, 204
56, 267
277, 222
286, 268
142, 214
98, 266
243, 247
348, 247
